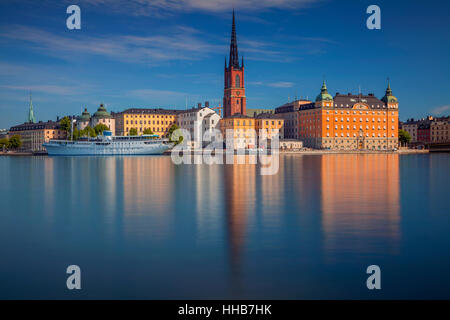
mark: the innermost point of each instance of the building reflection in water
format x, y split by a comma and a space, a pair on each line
49, 187
147, 192
240, 201
360, 204
208, 199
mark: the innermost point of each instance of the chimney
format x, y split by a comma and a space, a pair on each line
199, 105
206, 104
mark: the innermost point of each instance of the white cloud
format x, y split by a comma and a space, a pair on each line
279, 84
440, 110
155, 94
49, 89
180, 43
165, 7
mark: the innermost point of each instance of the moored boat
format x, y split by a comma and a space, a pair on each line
107, 144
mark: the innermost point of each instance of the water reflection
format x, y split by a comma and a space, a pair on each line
208, 199
240, 200
360, 204
49, 186
148, 196
151, 229
351, 200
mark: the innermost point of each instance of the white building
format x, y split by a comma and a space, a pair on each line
197, 121
101, 116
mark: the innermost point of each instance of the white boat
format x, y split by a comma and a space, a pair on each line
107, 144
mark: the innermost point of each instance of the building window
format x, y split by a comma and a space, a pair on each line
238, 81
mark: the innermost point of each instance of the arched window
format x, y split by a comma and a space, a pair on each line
238, 81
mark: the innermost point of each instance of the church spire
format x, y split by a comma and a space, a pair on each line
388, 89
324, 86
234, 58
31, 118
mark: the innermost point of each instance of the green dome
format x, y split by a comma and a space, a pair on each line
391, 99
85, 116
324, 95
388, 97
102, 113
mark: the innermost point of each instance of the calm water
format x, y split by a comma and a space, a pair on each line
141, 227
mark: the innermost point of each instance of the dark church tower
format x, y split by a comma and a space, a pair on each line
234, 90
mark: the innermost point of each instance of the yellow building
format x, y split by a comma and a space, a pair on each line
35, 134
242, 130
245, 130
157, 120
269, 125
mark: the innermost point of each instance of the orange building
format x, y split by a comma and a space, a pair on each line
157, 120
349, 122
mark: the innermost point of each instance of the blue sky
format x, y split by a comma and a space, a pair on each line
158, 53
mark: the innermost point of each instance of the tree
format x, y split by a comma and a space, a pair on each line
133, 132
65, 124
99, 128
76, 134
88, 132
4, 143
174, 137
404, 137
148, 131
15, 142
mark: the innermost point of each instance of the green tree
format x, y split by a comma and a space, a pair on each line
15, 142
4, 144
174, 137
65, 124
148, 131
76, 134
404, 137
133, 132
99, 128
88, 132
